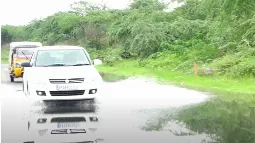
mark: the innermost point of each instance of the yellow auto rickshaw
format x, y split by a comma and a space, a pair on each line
20, 52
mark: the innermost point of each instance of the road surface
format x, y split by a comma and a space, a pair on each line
123, 109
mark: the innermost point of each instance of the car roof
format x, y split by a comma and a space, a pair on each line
14, 44
26, 43
58, 47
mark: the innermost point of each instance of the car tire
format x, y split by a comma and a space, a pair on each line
11, 78
28, 125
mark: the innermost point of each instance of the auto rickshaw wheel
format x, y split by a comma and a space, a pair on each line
12, 78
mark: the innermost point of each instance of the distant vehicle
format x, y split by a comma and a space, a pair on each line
20, 52
62, 127
61, 73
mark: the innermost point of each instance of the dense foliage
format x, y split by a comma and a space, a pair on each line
217, 34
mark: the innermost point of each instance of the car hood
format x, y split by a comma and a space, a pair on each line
45, 73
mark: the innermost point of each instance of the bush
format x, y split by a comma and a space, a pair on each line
109, 56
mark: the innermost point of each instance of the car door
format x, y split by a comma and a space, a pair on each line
25, 70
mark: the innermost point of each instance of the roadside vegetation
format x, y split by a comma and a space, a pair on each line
4, 54
146, 39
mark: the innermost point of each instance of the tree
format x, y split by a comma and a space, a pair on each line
6, 37
152, 5
82, 8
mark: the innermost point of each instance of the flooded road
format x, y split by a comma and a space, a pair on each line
130, 110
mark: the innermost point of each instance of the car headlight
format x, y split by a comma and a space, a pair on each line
41, 82
18, 65
92, 80
95, 79
41, 120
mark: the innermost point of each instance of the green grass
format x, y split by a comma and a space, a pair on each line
237, 89
4, 55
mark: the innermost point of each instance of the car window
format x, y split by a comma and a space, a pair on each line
61, 57
26, 51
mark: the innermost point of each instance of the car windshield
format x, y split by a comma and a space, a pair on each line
61, 57
25, 51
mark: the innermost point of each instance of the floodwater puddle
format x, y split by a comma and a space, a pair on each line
217, 120
139, 110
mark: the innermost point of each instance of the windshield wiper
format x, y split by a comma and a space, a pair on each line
55, 65
24, 54
80, 65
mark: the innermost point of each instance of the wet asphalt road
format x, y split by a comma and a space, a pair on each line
123, 109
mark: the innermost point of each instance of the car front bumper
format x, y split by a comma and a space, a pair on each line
49, 92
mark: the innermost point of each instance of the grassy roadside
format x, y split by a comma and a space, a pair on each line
236, 89
4, 55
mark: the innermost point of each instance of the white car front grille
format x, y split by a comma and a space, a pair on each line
66, 81
65, 131
67, 93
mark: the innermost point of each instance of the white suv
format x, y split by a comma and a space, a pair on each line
61, 73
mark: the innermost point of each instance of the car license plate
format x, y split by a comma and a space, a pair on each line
67, 125
66, 87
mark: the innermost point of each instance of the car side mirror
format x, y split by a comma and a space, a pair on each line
26, 64
97, 62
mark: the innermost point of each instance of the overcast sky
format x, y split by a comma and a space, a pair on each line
21, 12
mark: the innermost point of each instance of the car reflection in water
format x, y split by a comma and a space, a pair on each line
68, 124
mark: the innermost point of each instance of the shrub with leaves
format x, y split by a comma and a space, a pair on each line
217, 34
